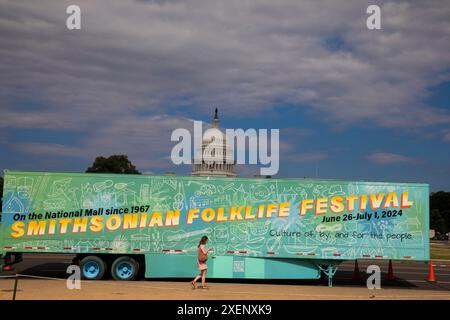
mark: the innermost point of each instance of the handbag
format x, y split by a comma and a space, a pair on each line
202, 257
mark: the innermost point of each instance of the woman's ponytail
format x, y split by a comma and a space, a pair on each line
202, 241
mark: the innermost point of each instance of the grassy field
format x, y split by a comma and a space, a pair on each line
440, 250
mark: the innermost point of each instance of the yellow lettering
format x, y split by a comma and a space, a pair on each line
79, 225
192, 214
130, 221
337, 205
235, 213
113, 222
172, 218
96, 224
36, 228
321, 206
306, 204
156, 219
283, 210
17, 228
405, 203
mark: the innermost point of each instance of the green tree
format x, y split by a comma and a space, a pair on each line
440, 200
1, 193
113, 164
437, 222
440, 211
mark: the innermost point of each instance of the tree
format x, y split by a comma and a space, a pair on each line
437, 222
113, 164
1, 193
440, 211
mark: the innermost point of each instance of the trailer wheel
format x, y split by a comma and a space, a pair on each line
125, 269
92, 268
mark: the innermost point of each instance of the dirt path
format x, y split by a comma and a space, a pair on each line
34, 289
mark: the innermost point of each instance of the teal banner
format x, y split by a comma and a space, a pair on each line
294, 218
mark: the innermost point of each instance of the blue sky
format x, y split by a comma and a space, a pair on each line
350, 103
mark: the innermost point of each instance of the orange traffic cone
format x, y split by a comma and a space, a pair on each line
390, 271
356, 274
431, 277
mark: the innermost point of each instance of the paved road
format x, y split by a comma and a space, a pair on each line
408, 274
411, 283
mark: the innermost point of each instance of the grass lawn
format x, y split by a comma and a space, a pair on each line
440, 251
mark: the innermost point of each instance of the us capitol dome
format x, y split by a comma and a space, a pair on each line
215, 156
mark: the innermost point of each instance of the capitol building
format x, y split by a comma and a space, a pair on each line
215, 156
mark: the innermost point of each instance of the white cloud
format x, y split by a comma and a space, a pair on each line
51, 149
133, 61
146, 140
389, 158
146, 55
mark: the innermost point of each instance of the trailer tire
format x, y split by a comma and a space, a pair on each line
125, 268
92, 268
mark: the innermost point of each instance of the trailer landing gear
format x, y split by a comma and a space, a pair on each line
329, 270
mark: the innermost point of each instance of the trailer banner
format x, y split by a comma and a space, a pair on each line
138, 217
325, 218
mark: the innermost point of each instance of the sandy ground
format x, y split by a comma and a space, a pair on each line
34, 289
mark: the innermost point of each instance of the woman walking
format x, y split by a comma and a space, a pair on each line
201, 262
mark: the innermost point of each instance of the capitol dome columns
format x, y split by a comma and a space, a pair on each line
219, 160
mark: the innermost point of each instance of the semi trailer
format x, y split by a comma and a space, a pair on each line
130, 225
